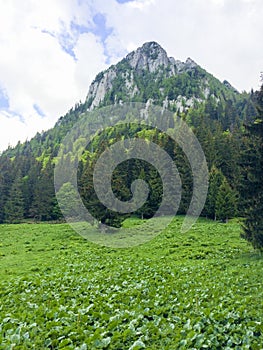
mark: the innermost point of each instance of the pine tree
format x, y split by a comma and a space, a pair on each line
14, 207
185, 171
215, 180
252, 182
226, 202
6, 179
44, 205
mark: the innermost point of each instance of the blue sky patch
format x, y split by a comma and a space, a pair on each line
101, 29
66, 41
79, 29
38, 110
4, 100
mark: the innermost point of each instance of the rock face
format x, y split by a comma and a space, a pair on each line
148, 57
150, 65
100, 86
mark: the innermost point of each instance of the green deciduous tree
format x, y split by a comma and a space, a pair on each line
69, 201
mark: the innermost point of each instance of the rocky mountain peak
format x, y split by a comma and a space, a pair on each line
148, 73
148, 57
190, 64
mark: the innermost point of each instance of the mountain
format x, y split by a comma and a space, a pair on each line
214, 110
149, 74
125, 80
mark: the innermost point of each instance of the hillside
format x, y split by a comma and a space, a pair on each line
215, 111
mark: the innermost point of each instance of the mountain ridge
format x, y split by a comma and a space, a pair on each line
148, 60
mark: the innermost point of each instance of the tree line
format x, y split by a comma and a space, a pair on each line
232, 146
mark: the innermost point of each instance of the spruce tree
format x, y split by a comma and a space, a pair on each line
14, 207
215, 180
44, 205
252, 181
6, 180
226, 202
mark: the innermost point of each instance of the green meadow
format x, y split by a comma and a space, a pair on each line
196, 290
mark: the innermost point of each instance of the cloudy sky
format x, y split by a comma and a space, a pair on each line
51, 50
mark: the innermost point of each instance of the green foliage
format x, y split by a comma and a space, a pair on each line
252, 189
215, 180
197, 290
68, 201
44, 205
14, 207
127, 172
226, 200
6, 178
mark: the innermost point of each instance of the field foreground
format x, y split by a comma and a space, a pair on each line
197, 290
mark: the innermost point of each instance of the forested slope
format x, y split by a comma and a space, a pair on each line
215, 111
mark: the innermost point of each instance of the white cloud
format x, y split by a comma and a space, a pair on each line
91, 58
14, 129
223, 36
35, 69
140, 4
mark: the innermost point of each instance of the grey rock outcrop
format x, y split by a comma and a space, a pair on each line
148, 57
151, 57
100, 86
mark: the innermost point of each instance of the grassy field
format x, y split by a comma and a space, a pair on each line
199, 290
